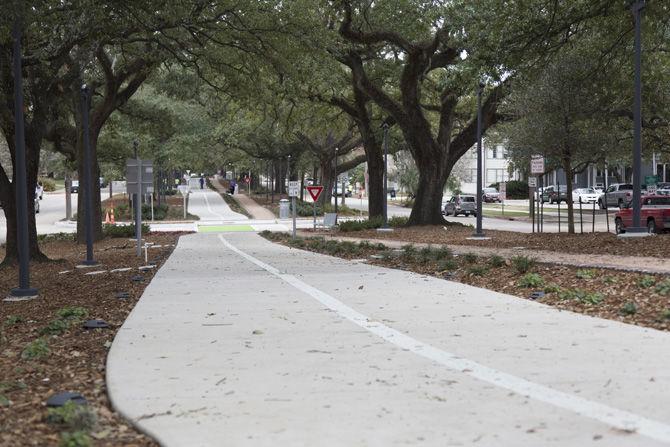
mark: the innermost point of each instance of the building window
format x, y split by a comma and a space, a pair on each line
496, 175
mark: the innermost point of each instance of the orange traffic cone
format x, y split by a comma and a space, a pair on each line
107, 221
112, 217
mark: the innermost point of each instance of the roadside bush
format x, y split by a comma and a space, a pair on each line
522, 264
478, 270
531, 280
48, 184
629, 309
552, 288
75, 439
360, 225
447, 264
409, 252
306, 209
398, 221
55, 327
469, 258
496, 261
663, 287
585, 274
665, 315
57, 237
581, 295
123, 230
73, 417
646, 281
160, 212
35, 350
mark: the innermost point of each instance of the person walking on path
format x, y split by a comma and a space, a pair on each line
202, 182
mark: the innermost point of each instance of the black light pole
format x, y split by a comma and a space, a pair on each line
88, 187
478, 231
24, 291
336, 149
637, 8
385, 126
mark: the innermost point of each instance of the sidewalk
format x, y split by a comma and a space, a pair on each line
254, 209
626, 263
241, 342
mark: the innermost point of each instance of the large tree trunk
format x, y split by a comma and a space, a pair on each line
8, 198
327, 181
375, 183
427, 208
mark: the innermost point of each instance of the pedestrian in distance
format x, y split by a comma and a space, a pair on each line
202, 182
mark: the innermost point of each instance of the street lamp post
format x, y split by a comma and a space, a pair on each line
637, 8
335, 192
24, 291
385, 126
88, 178
479, 233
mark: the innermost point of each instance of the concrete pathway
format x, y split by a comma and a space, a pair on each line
250, 205
643, 264
209, 206
241, 342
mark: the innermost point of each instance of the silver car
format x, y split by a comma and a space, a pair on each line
461, 204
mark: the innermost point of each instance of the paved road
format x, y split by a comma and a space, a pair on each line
238, 341
210, 206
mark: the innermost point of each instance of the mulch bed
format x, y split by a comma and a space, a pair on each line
76, 356
588, 243
633, 298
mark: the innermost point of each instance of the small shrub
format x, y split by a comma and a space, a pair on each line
469, 258
552, 288
663, 287
478, 270
408, 253
629, 308
55, 327
57, 237
531, 280
48, 184
646, 281
35, 350
73, 313
11, 320
447, 264
73, 417
522, 264
360, 225
496, 261
441, 253
611, 280
398, 221
123, 230
665, 315
585, 274
75, 439
581, 295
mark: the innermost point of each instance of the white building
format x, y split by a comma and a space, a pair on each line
496, 168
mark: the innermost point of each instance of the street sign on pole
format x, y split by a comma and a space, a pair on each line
532, 182
502, 190
184, 190
293, 188
293, 192
314, 191
537, 164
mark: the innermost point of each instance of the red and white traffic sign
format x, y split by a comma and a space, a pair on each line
315, 191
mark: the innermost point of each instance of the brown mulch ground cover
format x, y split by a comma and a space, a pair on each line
633, 298
591, 243
44, 348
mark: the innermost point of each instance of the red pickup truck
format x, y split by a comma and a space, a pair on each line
655, 214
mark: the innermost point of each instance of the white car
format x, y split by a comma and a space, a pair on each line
587, 195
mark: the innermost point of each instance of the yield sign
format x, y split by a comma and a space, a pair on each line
315, 191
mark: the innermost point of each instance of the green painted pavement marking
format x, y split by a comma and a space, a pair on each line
223, 228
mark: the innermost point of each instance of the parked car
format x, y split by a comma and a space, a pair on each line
103, 182
587, 195
461, 204
552, 194
654, 214
618, 194
337, 192
74, 186
490, 195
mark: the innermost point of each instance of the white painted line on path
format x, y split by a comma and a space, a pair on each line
620, 419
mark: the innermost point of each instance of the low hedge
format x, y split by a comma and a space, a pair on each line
516, 189
123, 230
